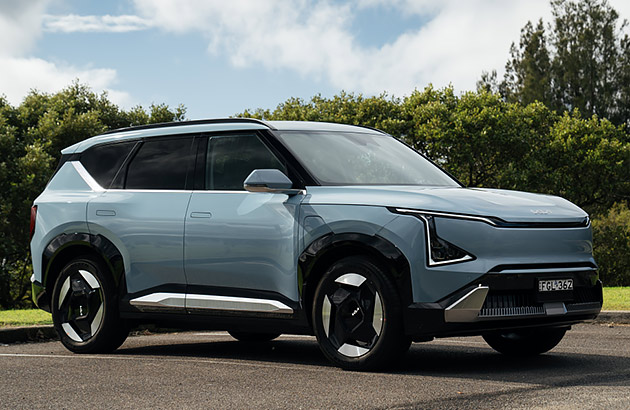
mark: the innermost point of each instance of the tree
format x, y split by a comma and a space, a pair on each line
31, 138
582, 61
527, 73
584, 69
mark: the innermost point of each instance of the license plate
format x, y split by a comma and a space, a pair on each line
554, 285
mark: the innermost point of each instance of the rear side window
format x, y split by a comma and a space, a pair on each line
232, 158
161, 164
104, 161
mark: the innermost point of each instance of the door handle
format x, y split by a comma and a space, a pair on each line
200, 215
105, 212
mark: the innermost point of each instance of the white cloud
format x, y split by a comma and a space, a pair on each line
459, 40
114, 24
19, 75
20, 27
314, 38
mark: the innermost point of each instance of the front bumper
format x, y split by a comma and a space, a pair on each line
507, 300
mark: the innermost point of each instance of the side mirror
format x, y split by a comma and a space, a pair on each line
269, 180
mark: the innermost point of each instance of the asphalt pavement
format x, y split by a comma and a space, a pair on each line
589, 369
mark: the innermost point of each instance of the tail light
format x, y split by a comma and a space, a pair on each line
33, 218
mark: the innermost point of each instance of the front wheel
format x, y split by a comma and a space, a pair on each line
357, 316
84, 308
527, 342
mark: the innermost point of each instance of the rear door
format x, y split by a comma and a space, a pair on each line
240, 246
143, 215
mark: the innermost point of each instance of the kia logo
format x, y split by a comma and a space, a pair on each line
540, 211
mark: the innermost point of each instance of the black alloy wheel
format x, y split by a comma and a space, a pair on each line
357, 316
84, 309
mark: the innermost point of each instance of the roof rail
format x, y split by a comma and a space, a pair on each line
189, 122
372, 128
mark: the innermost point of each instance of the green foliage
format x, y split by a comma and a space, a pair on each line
31, 138
582, 61
380, 112
611, 239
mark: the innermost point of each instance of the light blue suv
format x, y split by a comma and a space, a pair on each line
262, 228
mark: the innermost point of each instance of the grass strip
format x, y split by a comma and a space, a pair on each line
617, 298
24, 317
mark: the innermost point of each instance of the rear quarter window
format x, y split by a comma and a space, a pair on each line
104, 161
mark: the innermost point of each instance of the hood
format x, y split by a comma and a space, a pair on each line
511, 206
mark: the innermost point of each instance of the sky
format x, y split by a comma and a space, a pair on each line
220, 57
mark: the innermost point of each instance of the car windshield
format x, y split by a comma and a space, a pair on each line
348, 158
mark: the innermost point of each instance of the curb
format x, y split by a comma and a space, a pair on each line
27, 334
47, 332
614, 316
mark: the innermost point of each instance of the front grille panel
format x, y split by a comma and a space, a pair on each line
512, 311
496, 300
499, 304
523, 302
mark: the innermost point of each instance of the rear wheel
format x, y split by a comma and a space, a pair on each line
527, 342
84, 308
253, 337
357, 316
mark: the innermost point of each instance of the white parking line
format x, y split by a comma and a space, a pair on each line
162, 359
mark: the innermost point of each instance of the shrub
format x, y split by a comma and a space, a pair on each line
611, 239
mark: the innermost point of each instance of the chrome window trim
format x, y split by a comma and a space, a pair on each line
85, 175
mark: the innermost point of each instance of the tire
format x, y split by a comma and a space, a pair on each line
357, 316
253, 337
528, 342
85, 308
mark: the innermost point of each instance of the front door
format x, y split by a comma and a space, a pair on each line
240, 246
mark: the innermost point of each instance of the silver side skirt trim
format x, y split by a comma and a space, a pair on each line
239, 304
161, 300
467, 308
210, 302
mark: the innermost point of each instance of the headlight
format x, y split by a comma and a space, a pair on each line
439, 251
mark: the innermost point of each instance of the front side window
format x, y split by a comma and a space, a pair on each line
232, 158
161, 164
349, 158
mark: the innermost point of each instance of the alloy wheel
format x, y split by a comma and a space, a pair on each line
352, 315
81, 305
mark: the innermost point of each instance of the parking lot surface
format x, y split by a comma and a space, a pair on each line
589, 369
